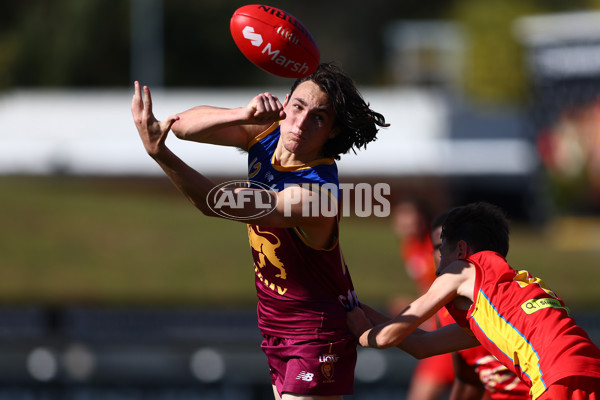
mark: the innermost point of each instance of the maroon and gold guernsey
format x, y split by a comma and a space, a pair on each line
303, 291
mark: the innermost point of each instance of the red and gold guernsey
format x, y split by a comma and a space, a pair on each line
303, 291
526, 326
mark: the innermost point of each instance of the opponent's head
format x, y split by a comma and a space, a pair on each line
482, 226
355, 123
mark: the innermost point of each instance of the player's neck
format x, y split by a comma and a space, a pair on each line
286, 158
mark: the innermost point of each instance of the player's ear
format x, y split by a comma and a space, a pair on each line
462, 249
285, 101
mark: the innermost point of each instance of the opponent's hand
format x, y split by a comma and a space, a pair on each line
357, 321
152, 132
264, 109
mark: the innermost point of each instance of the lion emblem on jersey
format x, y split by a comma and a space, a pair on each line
265, 244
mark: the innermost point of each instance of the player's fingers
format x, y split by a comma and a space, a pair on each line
137, 99
148, 102
265, 108
166, 124
136, 90
259, 104
274, 104
271, 102
268, 106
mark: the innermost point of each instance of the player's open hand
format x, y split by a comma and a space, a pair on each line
264, 109
152, 132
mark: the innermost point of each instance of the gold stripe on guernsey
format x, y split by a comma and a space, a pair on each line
523, 278
264, 134
312, 164
509, 341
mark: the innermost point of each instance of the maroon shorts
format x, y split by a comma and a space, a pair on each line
311, 367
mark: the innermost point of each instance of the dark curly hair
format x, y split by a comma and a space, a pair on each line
482, 225
357, 123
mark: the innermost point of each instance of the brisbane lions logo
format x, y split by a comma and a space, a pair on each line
265, 244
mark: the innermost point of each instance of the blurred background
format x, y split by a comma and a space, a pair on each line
114, 287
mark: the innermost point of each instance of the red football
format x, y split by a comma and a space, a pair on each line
274, 41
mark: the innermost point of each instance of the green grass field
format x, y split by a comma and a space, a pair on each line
138, 241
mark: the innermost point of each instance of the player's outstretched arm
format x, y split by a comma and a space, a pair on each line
447, 339
229, 127
467, 384
373, 315
290, 205
391, 333
418, 343
153, 134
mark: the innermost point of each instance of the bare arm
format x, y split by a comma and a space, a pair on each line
154, 134
228, 127
288, 205
467, 385
418, 343
455, 279
391, 333
447, 339
374, 316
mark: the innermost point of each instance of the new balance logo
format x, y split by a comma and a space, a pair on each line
305, 376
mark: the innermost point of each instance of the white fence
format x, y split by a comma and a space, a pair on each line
92, 132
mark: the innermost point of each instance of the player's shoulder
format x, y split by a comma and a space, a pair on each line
455, 274
261, 133
456, 267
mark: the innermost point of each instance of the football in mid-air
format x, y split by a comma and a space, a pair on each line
274, 41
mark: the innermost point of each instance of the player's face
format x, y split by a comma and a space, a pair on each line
309, 121
448, 254
436, 241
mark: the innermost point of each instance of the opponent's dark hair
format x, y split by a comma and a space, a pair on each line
482, 225
357, 123
438, 221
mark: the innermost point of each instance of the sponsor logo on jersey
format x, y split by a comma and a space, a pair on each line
533, 305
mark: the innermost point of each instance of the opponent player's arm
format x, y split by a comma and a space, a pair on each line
443, 290
229, 127
391, 333
375, 317
467, 385
411, 343
418, 343
447, 339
